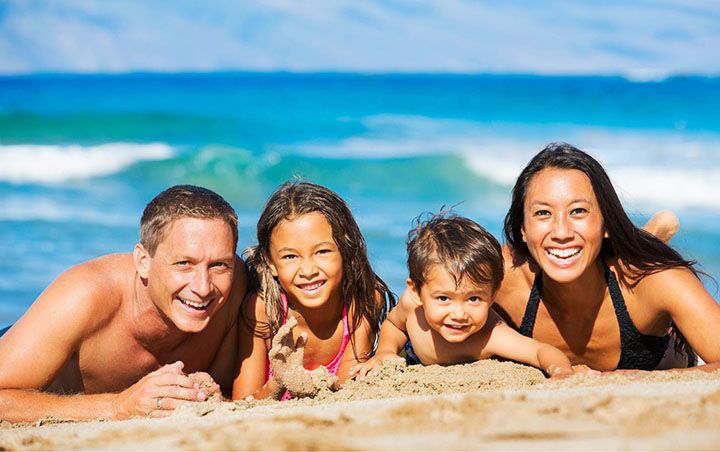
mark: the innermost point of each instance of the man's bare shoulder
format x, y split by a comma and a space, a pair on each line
97, 287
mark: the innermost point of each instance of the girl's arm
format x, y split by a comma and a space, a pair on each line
252, 362
364, 340
696, 314
393, 337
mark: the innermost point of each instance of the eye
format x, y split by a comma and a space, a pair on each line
287, 257
474, 300
541, 213
182, 263
324, 251
220, 265
578, 211
443, 299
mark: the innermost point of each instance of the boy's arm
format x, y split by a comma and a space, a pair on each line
507, 343
392, 339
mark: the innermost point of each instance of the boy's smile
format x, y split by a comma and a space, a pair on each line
454, 311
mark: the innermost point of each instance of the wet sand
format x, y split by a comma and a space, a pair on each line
485, 405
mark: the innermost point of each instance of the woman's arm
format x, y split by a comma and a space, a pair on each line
692, 309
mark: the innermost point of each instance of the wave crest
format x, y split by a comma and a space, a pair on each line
30, 163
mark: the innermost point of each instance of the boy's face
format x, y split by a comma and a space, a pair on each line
454, 312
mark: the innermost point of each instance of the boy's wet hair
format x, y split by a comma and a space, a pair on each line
183, 201
464, 248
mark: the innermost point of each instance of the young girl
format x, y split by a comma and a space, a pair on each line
311, 268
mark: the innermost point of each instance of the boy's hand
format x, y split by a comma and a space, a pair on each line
286, 359
371, 365
560, 372
583, 369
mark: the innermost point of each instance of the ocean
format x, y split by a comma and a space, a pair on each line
81, 155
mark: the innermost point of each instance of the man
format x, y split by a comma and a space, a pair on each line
123, 335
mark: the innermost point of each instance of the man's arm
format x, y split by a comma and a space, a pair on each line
35, 350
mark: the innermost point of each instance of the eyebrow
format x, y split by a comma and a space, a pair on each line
574, 201
293, 250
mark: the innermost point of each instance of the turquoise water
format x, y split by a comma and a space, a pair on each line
80, 156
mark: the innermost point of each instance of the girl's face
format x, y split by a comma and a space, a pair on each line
306, 260
563, 226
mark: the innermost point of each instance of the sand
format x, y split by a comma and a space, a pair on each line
485, 405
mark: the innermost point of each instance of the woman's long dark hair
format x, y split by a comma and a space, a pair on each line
360, 284
642, 253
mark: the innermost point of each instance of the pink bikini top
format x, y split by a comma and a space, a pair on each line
333, 365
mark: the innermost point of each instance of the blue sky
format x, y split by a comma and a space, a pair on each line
637, 38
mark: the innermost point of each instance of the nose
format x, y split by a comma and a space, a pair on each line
457, 313
562, 228
201, 281
308, 268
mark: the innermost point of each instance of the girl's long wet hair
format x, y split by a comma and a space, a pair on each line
641, 252
360, 285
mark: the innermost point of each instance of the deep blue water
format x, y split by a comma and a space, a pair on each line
80, 156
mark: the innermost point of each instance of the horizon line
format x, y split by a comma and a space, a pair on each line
633, 76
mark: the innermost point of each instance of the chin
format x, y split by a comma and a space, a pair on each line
193, 326
566, 275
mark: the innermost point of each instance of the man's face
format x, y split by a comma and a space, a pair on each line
191, 273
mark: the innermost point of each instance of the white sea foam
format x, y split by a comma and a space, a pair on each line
650, 168
29, 163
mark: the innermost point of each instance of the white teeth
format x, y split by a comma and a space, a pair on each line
563, 253
195, 304
312, 286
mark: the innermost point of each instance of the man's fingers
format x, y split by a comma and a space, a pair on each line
171, 379
175, 367
180, 393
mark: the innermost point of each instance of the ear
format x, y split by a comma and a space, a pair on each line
271, 266
141, 259
413, 292
522, 233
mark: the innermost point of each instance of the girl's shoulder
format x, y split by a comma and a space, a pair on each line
254, 307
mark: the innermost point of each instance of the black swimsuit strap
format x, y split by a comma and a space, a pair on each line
528, 322
637, 351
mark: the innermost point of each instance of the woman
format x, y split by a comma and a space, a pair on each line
581, 277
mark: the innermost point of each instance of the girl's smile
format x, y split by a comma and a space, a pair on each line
306, 260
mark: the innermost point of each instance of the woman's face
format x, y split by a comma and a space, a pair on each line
562, 226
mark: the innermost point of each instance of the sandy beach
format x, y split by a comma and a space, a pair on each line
488, 405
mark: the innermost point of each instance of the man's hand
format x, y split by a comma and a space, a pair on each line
286, 359
372, 365
205, 383
158, 393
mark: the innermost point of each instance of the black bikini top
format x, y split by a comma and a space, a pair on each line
637, 350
